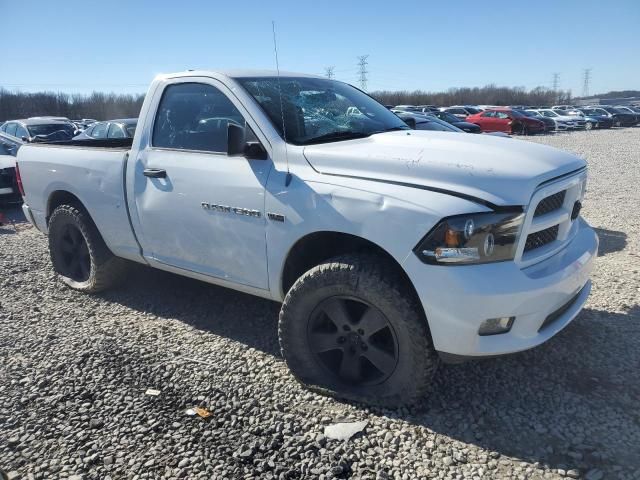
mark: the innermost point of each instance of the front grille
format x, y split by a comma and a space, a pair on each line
551, 203
541, 238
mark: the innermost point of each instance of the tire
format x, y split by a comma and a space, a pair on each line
519, 129
588, 126
617, 123
79, 254
326, 357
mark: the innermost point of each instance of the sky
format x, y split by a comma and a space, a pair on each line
120, 45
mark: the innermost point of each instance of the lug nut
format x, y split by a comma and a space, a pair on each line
340, 339
361, 331
346, 328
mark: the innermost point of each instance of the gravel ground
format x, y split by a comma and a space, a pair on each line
74, 370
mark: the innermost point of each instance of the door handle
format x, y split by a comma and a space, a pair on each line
155, 173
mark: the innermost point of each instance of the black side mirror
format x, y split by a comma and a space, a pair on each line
24, 139
411, 122
236, 139
237, 144
255, 151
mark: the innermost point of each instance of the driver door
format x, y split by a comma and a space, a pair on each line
199, 209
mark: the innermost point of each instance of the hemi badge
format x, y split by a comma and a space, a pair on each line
276, 217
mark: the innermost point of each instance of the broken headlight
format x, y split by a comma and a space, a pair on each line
472, 238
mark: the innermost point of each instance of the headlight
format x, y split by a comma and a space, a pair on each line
472, 238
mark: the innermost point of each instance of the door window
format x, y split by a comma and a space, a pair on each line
116, 131
194, 116
489, 114
21, 131
502, 115
11, 129
99, 130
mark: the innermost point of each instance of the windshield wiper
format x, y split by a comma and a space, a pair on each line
344, 135
392, 129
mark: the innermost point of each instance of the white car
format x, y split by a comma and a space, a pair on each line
563, 121
390, 249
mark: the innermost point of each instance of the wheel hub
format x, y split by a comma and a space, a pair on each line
353, 340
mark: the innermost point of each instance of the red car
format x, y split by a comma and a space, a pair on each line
506, 120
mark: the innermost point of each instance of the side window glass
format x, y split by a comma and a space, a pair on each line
3, 128
194, 116
21, 131
488, 114
99, 130
116, 131
11, 129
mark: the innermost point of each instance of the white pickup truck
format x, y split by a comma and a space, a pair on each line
390, 249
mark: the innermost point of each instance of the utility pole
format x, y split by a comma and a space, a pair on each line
328, 71
587, 79
362, 65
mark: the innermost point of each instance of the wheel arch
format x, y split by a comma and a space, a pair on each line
314, 248
62, 197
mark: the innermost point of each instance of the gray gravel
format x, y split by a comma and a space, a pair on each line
74, 370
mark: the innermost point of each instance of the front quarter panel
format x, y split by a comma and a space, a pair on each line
393, 217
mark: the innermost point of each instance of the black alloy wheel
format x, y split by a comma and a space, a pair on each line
75, 258
353, 340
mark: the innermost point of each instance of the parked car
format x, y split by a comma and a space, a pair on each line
549, 124
462, 112
390, 248
594, 119
456, 122
39, 129
620, 118
416, 108
508, 121
9, 146
563, 121
629, 110
83, 123
120, 128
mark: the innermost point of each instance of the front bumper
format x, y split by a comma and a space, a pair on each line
457, 299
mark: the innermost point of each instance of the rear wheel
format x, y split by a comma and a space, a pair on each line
588, 126
353, 329
519, 129
78, 252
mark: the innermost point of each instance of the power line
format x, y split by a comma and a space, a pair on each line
328, 71
587, 80
362, 72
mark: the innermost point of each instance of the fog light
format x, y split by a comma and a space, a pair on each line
495, 326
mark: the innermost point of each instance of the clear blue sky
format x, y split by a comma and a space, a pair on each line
119, 45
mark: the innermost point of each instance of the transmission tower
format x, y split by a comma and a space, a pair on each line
587, 79
556, 81
328, 71
362, 78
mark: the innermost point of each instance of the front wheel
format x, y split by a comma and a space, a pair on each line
588, 126
78, 252
353, 329
519, 129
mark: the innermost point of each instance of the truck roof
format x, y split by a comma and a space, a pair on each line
236, 73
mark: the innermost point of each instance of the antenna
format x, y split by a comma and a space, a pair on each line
284, 126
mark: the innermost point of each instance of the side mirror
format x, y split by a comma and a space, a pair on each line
236, 139
411, 122
255, 151
24, 139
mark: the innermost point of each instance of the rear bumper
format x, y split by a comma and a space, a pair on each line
457, 299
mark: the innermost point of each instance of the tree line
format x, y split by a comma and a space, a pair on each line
97, 105
487, 95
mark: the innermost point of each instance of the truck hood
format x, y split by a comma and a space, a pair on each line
500, 171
